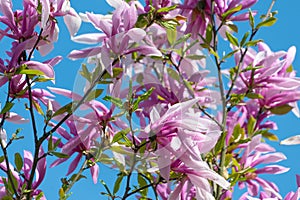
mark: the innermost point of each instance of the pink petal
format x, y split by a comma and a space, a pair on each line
272, 169
74, 164
72, 21
89, 38
95, 173
45, 68
6, 9
45, 12
83, 53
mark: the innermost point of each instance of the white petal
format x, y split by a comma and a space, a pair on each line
291, 140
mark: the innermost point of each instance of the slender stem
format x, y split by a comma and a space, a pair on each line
77, 177
4, 148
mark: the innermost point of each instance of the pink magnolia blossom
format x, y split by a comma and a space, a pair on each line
26, 170
257, 153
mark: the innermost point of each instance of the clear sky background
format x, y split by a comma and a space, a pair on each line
281, 36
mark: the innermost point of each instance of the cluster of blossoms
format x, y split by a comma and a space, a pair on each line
160, 115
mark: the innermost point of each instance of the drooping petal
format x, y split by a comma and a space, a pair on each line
95, 173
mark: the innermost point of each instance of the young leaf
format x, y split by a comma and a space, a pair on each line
118, 136
66, 108
233, 40
171, 36
251, 19
243, 41
18, 161
50, 144
31, 72
166, 9
268, 22
7, 107
115, 101
281, 110
231, 11
270, 136
251, 125
93, 95
142, 182
118, 183
60, 155
182, 39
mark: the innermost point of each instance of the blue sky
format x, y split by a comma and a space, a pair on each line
281, 36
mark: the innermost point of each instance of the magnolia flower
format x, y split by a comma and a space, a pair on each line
199, 13
182, 136
257, 153
26, 170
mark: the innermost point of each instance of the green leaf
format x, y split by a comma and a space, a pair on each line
38, 108
195, 57
166, 9
66, 108
7, 107
289, 69
268, 22
214, 53
18, 161
251, 125
77, 177
142, 182
231, 11
182, 39
252, 43
118, 183
116, 101
168, 24
173, 74
142, 97
39, 196
243, 41
171, 36
230, 54
233, 27
85, 73
270, 136
238, 132
93, 95
31, 72
281, 110
60, 155
50, 144
143, 20
254, 96
233, 40
251, 19
2, 158
209, 34
120, 135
